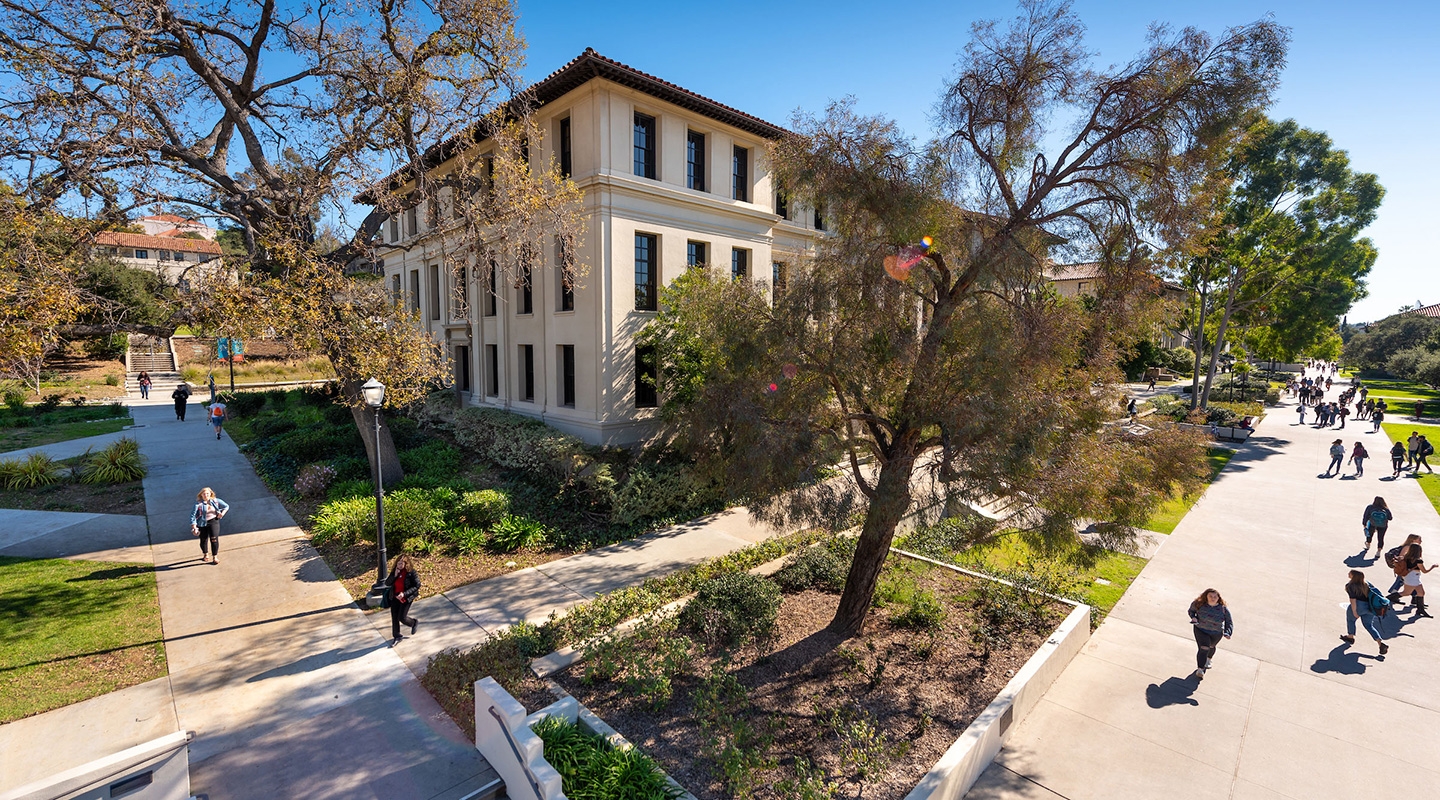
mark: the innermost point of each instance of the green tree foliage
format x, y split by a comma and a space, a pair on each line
1284, 251
963, 378
1374, 348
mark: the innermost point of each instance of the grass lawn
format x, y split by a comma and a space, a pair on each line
1399, 432
20, 438
1078, 575
1168, 515
1396, 389
72, 630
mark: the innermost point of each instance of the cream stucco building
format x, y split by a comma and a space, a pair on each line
670, 179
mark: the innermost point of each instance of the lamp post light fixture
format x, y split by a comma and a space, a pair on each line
374, 393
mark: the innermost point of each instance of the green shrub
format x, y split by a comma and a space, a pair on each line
38, 469
520, 443
467, 541
409, 512
352, 468
243, 404
314, 480
824, 567
275, 398
49, 403
15, 397
344, 521
733, 609
923, 611
948, 536
484, 508
336, 414
435, 456
344, 490
417, 546
278, 469
658, 492
592, 769
10, 469
271, 425
320, 443
516, 533
112, 380
120, 462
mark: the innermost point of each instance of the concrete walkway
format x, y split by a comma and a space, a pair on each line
289, 689
1288, 710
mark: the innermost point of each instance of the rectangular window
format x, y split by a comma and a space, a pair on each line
695, 161
142, 253
492, 296
647, 375
395, 291
782, 205
415, 290
564, 279
412, 221
565, 162
646, 270
740, 175
492, 364
527, 373
567, 375
696, 254
460, 300
819, 221
779, 274
434, 277
394, 228
527, 289
462, 368
644, 146
739, 263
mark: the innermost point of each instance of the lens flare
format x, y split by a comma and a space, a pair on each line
898, 267
926, 241
774, 388
789, 370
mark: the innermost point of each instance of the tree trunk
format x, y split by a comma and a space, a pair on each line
1220, 337
1198, 341
391, 472
887, 508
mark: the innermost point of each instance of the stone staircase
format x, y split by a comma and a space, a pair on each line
155, 356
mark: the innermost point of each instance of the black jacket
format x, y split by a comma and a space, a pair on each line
412, 584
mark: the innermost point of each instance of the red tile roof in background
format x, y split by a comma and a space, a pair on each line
144, 242
1432, 310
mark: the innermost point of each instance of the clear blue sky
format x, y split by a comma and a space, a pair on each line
1368, 73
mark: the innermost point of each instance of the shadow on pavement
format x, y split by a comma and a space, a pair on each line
315, 661
1173, 692
1341, 660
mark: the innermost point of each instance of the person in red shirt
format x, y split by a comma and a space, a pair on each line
403, 586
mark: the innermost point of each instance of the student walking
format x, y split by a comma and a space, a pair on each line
402, 586
1422, 455
1301, 408
205, 523
1362, 609
1412, 449
1343, 412
217, 417
1414, 566
1209, 620
181, 396
1397, 459
210, 382
1357, 457
1376, 521
1378, 417
144, 381
1395, 560
1337, 458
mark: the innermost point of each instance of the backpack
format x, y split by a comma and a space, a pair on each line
1392, 554
1379, 603
1378, 518
1426, 448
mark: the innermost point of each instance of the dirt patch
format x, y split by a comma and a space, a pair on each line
119, 498
354, 565
201, 350
71, 373
866, 716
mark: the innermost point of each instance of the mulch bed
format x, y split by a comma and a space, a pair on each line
120, 498
921, 689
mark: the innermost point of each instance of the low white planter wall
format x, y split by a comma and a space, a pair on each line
156, 770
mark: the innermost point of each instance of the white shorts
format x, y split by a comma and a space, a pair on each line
1412, 578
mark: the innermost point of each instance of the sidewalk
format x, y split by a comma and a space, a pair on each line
1287, 711
289, 690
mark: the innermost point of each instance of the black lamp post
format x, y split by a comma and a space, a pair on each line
374, 394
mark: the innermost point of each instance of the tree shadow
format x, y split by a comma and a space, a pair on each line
1173, 692
109, 574
315, 661
1341, 660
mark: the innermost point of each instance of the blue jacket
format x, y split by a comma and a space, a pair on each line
197, 517
1212, 619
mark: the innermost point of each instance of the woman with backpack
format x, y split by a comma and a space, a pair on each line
1395, 560
144, 381
1357, 457
1422, 454
1359, 592
1414, 566
1209, 621
1376, 521
1397, 459
1337, 458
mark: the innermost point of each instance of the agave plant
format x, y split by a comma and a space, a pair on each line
36, 470
121, 462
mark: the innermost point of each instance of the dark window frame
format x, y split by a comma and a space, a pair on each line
647, 393
434, 295
415, 290
564, 282
740, 174
779, 276
492, 294
645, 161
567, 375
695, 160
647, 281
782, 205
527, 373
566, 157
697, 254
462, 367
527, 289
492, 355
739, 263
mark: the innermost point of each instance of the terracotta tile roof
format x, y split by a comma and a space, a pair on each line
166, 218
1432, 310
583, 68
1071, 272
144, 242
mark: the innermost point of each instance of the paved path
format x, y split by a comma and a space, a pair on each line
289, 689
1287, 711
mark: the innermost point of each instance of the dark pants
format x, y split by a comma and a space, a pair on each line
1421, 461
399, 612
210, 537
1398, 462
1337, 464
1379, 534
180, 410
1206, 641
